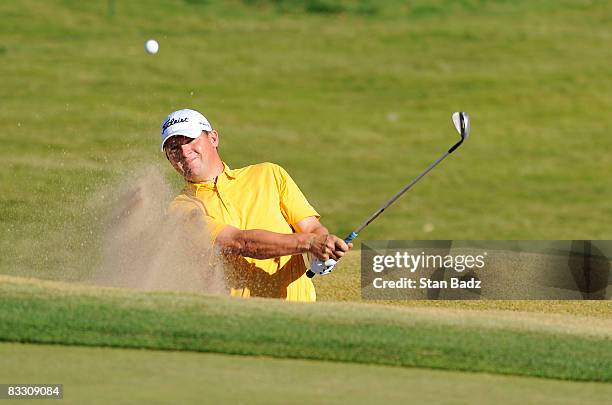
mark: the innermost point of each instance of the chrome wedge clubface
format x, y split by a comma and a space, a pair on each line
461, 120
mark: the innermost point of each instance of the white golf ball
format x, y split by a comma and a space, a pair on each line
151, 46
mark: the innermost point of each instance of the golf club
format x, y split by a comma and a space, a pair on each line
461, 120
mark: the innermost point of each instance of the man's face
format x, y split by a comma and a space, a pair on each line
190, 157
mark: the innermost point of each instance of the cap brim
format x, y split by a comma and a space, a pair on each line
188, 132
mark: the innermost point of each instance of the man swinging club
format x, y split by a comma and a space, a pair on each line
256, 216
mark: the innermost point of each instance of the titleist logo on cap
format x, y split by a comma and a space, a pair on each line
173, 121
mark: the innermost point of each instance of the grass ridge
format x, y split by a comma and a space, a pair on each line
31, 313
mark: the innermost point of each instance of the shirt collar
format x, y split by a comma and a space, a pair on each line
229, 173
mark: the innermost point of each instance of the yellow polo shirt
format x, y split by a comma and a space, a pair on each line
261, 196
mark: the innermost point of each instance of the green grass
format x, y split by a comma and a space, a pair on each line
123, 376
561, 347
353, 98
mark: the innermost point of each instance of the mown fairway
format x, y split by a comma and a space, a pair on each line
351, 103
122, 376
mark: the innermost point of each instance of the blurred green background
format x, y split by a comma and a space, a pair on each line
353, 98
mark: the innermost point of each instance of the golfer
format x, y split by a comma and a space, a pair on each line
256, 216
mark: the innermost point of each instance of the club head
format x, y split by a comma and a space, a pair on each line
461, 120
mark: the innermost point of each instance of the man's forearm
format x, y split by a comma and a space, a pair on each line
261, 244
311, 237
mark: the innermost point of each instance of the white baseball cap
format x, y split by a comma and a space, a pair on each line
185, 122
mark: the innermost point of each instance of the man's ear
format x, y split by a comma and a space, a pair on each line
214, 137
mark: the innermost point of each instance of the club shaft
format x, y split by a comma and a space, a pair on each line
464, 132
399, 194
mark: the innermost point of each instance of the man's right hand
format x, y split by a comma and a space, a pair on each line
326, 247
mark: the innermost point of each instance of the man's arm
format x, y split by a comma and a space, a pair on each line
311, 237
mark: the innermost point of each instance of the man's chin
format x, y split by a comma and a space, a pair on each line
192, 178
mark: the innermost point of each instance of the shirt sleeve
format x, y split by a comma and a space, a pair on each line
293, 203
190, 211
